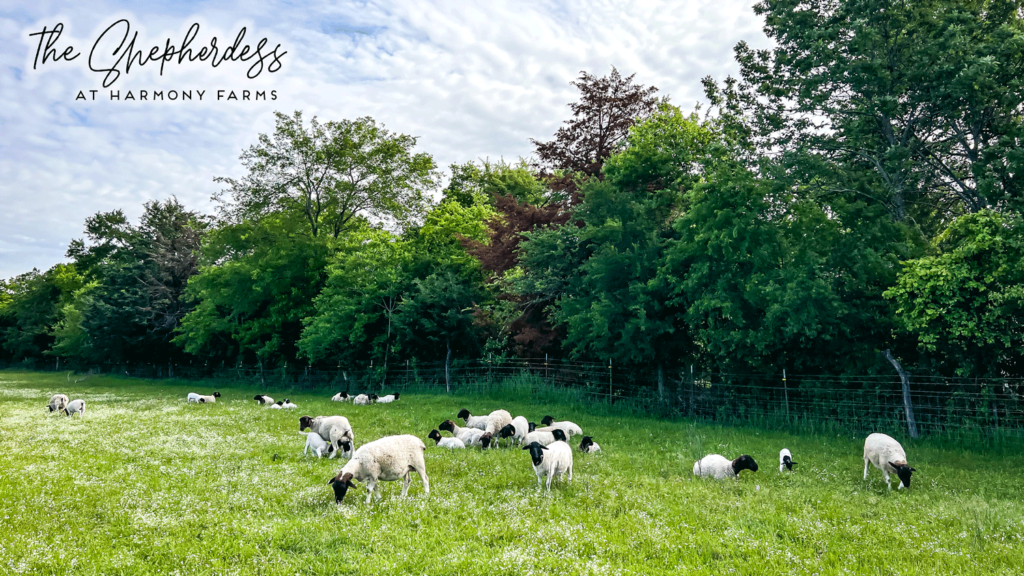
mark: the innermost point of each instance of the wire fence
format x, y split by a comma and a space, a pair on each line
978, 407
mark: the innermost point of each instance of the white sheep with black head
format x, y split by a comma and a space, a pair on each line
719, 467
387, 459
886, 454
550, 461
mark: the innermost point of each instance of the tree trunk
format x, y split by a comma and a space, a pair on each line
447, 368
908, 407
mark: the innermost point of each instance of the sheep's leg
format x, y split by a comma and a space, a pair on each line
422, 471
551, 477
540, 483
570, 473
866, 462
335, 453
408, 480
370, 487
885, 475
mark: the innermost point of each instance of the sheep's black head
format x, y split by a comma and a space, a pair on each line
305, 422
435, 436
51, 408
374, 397
279, 403
587, 442
507, 431
559, 435
464, 414
66, 413
744, 462
536, 452
216, 394
903, 470
546, 421
396, 395
345, 446
486, 440
531, 426
788, 462
258, 398
447, 426
341, 483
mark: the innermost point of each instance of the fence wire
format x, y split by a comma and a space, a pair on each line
941, 405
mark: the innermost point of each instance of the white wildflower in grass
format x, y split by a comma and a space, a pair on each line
147, 484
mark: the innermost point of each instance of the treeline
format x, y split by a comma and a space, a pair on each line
858, 188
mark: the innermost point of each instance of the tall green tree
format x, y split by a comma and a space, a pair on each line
912, 104
30, 309
964, 305
332, 174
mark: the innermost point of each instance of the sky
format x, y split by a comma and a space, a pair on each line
470, 80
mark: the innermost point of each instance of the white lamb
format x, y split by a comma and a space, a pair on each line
469, 436
75, 407
387, 459
317, 444
886, 454
441, 442
517, 430
719, 467
334, 429
588, 446
786, 460
570, 428
388, 399
341, 397
288, 405
193, 397
551, 461
479, 422
544, 437
58, 402
364, 400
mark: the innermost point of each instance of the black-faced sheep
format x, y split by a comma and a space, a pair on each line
550, 461
719, 467
886, 454
387, 459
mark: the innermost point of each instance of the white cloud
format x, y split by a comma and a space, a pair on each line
470, 80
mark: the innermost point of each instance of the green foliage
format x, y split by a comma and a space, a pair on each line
256, 283
473, 184
332, 174
965, 303
30, 308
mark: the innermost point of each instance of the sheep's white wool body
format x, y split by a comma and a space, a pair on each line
288, 406
590, 449
542, 437
207, 399
339, 398
388, 459
57, 403
386, 399
266, 400
75, 407
879, 451
361, 400
478, 422
193, 397
451, 443
496, 421
315, 443
522, 427
557, 461
570, 428
714, 466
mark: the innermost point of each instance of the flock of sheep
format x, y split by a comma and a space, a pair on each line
392, 457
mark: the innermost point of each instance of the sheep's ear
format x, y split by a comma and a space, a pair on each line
543, 447
913, 469
526, 447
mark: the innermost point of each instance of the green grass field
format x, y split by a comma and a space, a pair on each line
146, 484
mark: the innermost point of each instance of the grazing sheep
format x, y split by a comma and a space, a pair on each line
495, 422
719, 467
263, 399
388, 399
387, 459
364, 400
469, 436
479, 422
517, 430
442, 442
209, 399
786, 460
317, 444
886, 454
334, 429
545, 437
57, 403
588, 446
569, 428
341, 397
75, 407
552, 460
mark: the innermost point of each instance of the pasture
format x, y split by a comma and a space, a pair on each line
147, 484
